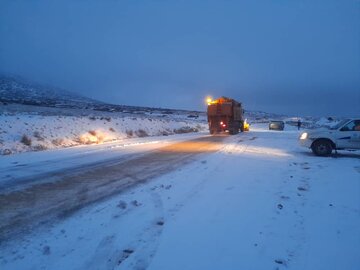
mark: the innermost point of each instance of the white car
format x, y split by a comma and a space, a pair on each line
344, 135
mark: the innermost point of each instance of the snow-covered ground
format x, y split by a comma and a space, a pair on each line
260, 202
41, 128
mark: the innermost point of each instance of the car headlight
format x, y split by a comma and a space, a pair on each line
303, 136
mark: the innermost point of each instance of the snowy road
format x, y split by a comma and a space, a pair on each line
72, 189
251, 201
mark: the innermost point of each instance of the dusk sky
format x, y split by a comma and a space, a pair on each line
292, 57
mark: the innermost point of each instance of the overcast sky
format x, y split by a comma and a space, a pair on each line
295, 57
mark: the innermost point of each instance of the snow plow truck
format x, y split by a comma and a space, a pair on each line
225, 114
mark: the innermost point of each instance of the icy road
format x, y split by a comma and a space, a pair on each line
256, 200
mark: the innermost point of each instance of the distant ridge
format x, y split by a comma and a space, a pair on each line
18, 90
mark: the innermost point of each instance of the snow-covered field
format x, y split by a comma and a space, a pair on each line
39, 128
260, 202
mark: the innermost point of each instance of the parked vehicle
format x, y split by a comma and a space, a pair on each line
225, 114
344, 135
276, 125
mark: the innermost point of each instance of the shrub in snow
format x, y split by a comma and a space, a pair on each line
26, 140
106, 118
122, 205
165, 133
185, 130
92, 137
46, 250
83, 139
111, 129
6, 152
100, 136
92, 132
39, 147
57, 142
37, 135
129, 133
141, 133
135, 203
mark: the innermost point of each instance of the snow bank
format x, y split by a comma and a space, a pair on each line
22, 132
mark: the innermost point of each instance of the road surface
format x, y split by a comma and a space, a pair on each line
256, 200
71, 189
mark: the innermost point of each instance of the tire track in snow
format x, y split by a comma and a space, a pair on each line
291, 202
136, 254
148, 241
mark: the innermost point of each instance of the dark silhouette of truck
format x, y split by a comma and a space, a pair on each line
225, 114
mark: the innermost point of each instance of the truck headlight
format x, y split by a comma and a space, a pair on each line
303, 136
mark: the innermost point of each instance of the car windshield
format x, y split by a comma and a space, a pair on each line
340, 124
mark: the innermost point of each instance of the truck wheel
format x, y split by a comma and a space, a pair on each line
233, 131
322, 148
242, 126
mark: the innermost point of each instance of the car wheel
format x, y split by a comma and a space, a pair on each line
322, 148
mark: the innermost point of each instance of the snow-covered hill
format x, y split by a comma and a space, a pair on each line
18, 90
